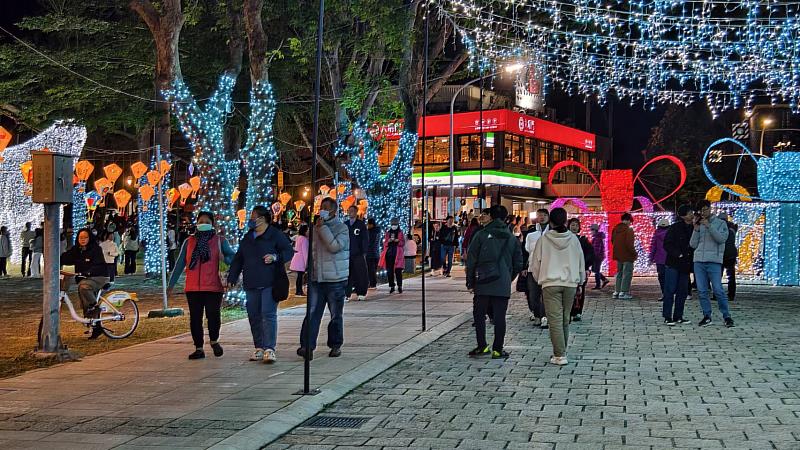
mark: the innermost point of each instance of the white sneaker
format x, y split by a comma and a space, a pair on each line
537, 322
533, 317
625, 296
257, 355
615, 294
544, 322
269, 356
361, 298
558, 360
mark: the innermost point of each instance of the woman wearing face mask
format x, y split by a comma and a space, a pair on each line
200, 255
392, 258
90, 273
262, 252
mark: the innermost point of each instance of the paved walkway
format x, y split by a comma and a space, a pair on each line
632, 383
150, 395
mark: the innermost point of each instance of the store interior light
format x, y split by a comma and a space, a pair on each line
516, 67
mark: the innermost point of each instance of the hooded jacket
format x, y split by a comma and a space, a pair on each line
708, 242
331, 250
494, 244
622, 240
557, 260
657, 253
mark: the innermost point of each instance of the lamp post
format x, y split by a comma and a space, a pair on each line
764, 124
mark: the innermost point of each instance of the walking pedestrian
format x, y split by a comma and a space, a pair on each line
495, 259
469, 233
172, 246
574, 226
435, 249
110, 253
5, 251
558, 265
599, 246
392, 258
448, 238
731, 255
130, 244
90, 274
534, 294
201, 255
357, 281
657, 254
327, 280
37, 250
410, 255
708, 241
622, 240
300, 260
373, 252
25, 241
262, 252
678, 266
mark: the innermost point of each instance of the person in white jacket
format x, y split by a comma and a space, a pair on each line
110, 253
558, 266
534, 294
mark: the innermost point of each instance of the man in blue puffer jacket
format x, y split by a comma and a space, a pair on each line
708, 241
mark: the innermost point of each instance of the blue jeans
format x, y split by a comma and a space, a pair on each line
447, 257
675, 287
262, 313
705, 272
320, 295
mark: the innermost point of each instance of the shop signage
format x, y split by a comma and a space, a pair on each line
473, 177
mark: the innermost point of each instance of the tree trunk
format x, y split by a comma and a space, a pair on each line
256, 40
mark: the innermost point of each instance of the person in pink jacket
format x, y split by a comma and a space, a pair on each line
393, 243
300, 259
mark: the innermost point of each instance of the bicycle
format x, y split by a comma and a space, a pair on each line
118, 311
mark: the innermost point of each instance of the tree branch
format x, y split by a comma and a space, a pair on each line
256, 39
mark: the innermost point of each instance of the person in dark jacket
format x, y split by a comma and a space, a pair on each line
358, 281
495, 259
730, 256
448, 238
435, 248
678, 265
263, 251
90, 274
574, 226
624, 253
373, 252
468, 234
599, 246
657, 254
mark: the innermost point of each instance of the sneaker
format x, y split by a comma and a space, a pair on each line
669, 322
399, 289
689, 297
217, 349
681, 321
558, 360
502, 354
301, 352
361, 298
544, 322
625, 296
537, 321
729, 322
391, 290
479, 351
258, 355
335, 353
705, 322
447, 275
615, 294
269, 356
576, 318
198, 354
533, 317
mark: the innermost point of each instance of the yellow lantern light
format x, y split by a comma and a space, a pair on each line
235, 194
299, 205
242, 216
284, 198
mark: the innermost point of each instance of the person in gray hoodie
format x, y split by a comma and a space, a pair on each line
327, 279
708, 241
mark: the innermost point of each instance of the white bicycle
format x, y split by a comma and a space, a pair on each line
118, 311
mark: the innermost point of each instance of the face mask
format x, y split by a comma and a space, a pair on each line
394, 227
324, 214
205, 227
252, 223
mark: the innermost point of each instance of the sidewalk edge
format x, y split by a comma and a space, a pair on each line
275, 425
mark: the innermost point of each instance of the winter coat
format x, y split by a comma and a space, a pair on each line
657, 253
359, 237
622, 240
448, 235
37, 245
558, 260
373, 249
249, 258
708, 242
676, 246
599, 245
26, 238
494, 244
5, 246
88, 261
110, 251
731, 252
399, 259
331, 249
204, 277
588, 251
532, 238
468, 235
300, 258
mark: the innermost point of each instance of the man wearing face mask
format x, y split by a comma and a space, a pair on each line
327, 280
357, 283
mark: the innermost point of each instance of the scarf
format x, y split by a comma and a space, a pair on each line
201, 251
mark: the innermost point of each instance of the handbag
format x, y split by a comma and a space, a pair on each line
522, 283
280, 286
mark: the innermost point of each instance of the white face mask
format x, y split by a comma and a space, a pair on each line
324, 214
394, 227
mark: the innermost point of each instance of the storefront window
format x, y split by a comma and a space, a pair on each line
544, 154
558, 153
437, 151
530, 152
513, 148
388, 150
469, 148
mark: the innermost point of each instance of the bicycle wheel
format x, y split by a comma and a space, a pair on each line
120, 320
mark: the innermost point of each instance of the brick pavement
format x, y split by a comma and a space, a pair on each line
632, 383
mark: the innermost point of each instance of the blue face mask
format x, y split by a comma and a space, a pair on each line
324, 214
252, 223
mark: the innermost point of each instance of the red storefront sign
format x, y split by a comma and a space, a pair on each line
494, 121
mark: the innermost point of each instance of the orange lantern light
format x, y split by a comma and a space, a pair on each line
153, 177
348, 202
83, 169
235, 194
112, 172
172, 196
341, 188
362, 207
324, 189
185, 191
27, 171
146, 192
103, 186
299, 205
165, 166
242, 216
122, 197
138, 169
284, 198
195, 183
5, 138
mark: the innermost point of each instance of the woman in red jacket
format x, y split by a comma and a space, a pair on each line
393, 242
201, 254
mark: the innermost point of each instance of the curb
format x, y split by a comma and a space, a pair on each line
275, 425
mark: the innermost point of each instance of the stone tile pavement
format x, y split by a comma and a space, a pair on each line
631, 383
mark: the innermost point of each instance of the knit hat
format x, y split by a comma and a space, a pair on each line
664, 222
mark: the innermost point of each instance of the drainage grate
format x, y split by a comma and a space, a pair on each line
336, 422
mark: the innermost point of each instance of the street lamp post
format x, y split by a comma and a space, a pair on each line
766, 122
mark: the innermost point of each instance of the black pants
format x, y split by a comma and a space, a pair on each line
111, 270
580, 297
27, 255
731, 272
395, 275
498, 305
298, 283
534, 295
130, 261
170, 259
372, 271
599, 278
3, 263
358, 280
211, 302
661, 269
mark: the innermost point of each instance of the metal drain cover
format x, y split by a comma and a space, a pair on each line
335, 422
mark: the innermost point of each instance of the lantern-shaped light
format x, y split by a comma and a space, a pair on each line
242, 216
165, 166
5, 138
284, 198
138, 169
153, 177
299, 205
185, 190
112, 172
172, 196
195, 183
122, 197
146, 192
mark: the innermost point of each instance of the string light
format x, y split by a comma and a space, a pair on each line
16, 208
259, 153
79, 210
149, 221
